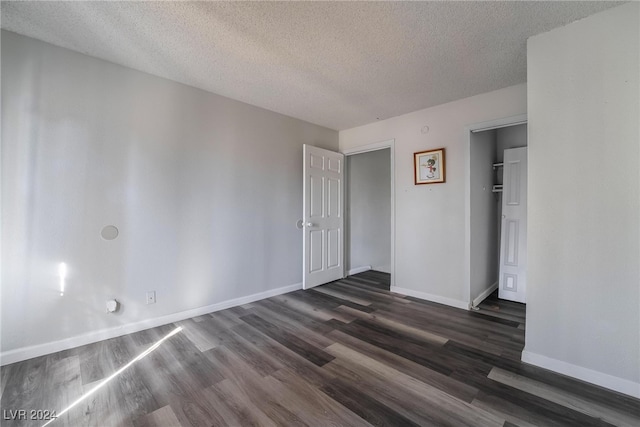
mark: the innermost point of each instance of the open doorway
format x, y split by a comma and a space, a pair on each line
497, 214
369, 215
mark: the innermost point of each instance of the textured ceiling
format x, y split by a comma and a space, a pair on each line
336, 64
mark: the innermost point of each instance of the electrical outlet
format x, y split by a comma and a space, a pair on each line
151, 297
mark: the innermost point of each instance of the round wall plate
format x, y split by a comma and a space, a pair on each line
109, 232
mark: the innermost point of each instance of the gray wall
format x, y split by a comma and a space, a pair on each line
583, 302
484, 213
510, 137
206, 192
369, 204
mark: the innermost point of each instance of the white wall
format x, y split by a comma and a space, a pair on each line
369, 205
206, 192
583, 305
430, 219
484, 204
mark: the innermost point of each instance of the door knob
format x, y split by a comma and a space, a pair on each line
309, 224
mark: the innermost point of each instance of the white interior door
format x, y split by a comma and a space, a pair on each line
323, 220
513, 238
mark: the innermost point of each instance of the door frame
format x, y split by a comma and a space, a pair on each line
469, 130
382, 145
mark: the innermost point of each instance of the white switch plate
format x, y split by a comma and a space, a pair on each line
151, 297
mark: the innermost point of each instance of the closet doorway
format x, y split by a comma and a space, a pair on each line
369, 213
497, 223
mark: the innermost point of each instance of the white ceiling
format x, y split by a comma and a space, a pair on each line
336, 64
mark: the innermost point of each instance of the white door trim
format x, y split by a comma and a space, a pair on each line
390, 144
488, 125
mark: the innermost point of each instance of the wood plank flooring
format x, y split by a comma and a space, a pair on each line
349, 353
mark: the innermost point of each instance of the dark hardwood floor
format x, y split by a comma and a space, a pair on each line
349, 353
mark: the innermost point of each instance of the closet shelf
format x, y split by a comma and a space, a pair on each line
497, 188
497, 165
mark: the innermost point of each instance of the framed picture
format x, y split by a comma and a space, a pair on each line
428, 166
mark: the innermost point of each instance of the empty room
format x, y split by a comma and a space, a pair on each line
320, 213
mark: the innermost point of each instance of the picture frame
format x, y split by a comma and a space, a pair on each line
429, 167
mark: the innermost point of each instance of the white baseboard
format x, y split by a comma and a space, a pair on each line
382, 268
359, 270
430, 297
585, 374
25, 353
484, 295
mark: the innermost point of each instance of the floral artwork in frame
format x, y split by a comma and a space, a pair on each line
429, 167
